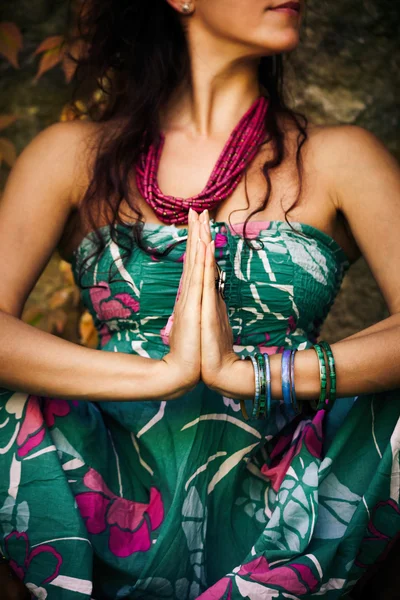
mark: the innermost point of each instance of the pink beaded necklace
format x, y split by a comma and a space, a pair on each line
238, 152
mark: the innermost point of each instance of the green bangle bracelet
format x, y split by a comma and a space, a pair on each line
322, 378
261, 414
332, 375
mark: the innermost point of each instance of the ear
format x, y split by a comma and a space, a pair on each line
184, 7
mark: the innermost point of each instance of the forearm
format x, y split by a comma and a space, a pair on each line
364, 364
388, 323
33, 361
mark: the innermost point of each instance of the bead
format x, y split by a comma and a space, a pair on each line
240, 149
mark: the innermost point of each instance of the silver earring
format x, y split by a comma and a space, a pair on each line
187, 8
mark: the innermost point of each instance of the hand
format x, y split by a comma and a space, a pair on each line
184, 338
217, 354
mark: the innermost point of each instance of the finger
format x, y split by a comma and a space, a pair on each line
195, 287
190, 257
205, 231
189, 250
209, 300
194, 233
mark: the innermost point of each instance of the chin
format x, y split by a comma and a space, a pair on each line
284, 41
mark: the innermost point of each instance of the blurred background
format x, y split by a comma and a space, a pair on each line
345, 70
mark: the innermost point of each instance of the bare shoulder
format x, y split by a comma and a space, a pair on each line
351, 156
71, 146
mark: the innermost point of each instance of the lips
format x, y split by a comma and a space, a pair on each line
292, 5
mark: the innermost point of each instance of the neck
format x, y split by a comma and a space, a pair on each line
221, 87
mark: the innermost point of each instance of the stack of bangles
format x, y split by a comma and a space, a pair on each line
262, 400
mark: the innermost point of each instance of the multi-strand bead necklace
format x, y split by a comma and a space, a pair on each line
239, 150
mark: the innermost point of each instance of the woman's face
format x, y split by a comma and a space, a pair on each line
253, 25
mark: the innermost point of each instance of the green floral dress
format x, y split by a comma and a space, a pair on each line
185, 499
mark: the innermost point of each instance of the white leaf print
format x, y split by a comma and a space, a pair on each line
203, 467
227, 466
15, 405
309, 258
22, 517
192, 506
255, 591
157, 417
224, 417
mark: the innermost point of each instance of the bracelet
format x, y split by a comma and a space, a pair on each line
3, 559
297, 404
267, 366
322, 378
242, 404
285, 373
256, 383
330, 400
261, 367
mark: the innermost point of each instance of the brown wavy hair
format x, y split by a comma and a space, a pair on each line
134, 56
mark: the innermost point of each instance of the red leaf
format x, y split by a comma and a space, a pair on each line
50, 43
6, 120
50, 59
69, 68
76, 50
10, 42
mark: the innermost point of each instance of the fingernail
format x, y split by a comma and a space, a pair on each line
190, 214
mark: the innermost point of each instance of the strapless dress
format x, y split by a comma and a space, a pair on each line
185, 499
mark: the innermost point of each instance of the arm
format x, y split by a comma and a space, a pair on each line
37, 200
368, 361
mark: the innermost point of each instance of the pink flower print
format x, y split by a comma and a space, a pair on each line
121, 306
129, 523
386, 514
291, 325
259, 565
221, 241
105, 334
24, 555
253, 228
32, 430
55, 407
218, 590
127, 300
288, 448
295, 579
270, 349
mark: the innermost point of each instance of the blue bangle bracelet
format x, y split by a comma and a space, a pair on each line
295, 402
286, 377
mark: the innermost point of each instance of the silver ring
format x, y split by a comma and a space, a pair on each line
220, 281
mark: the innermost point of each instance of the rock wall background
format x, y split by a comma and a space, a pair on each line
345, 70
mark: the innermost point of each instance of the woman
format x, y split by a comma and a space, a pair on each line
130, 471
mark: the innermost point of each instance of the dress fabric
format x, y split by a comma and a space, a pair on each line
185, 499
